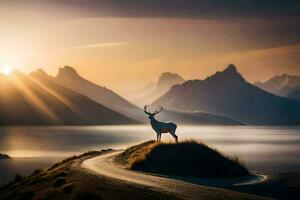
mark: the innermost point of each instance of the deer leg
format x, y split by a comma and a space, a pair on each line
156, 137
175, 137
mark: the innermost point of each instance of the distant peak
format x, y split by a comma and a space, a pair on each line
230, 73
168, 76
40, 72
16, 73
67, 71
231, 69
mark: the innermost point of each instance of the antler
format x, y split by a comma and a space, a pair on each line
149, 113
145, 110
158, 111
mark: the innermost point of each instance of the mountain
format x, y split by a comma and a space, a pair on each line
68, 77
192, 118
280, 85
167, 80
36, 100
137, 94
227, 94
164, 83
294, 95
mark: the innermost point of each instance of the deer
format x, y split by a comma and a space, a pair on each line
161, 127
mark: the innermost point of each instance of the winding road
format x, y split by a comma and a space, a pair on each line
104, 165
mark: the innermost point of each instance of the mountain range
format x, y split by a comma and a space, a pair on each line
224, 98
69, 99
69, 78
37, 100
155, 90
228, 94
282, 85
137, 94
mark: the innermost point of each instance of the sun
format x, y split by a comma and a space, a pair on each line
6, 70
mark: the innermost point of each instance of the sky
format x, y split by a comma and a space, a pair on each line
124, 45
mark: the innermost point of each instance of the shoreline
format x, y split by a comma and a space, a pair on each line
106, 166
277, 186
67, 180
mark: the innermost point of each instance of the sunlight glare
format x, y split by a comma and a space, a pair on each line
6, 70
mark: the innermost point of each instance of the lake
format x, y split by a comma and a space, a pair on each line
271, 149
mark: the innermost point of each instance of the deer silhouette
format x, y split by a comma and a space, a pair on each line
161, 127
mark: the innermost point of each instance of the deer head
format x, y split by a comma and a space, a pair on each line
152, 114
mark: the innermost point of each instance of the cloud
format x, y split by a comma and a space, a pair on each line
257, 64
98, 45
173, 8
281, 50
187, 8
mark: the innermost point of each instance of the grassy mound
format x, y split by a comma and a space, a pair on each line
188, 158
67, 180
4, 156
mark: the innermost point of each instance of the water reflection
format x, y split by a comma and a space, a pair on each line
262, 148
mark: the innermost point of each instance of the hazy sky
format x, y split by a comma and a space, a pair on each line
126, 44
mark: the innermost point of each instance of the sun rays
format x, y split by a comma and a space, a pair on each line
58, 96
29, 89
33, 99
32, 88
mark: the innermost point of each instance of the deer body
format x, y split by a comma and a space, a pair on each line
161, 127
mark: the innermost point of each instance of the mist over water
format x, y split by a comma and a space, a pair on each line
271, 149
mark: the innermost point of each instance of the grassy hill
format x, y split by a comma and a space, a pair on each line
66, 180
188, 158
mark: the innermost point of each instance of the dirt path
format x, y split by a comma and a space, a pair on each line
104, 165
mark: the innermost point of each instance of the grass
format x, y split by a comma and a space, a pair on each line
4, 156
188, 158
66, 180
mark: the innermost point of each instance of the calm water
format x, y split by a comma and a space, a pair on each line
272, 149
